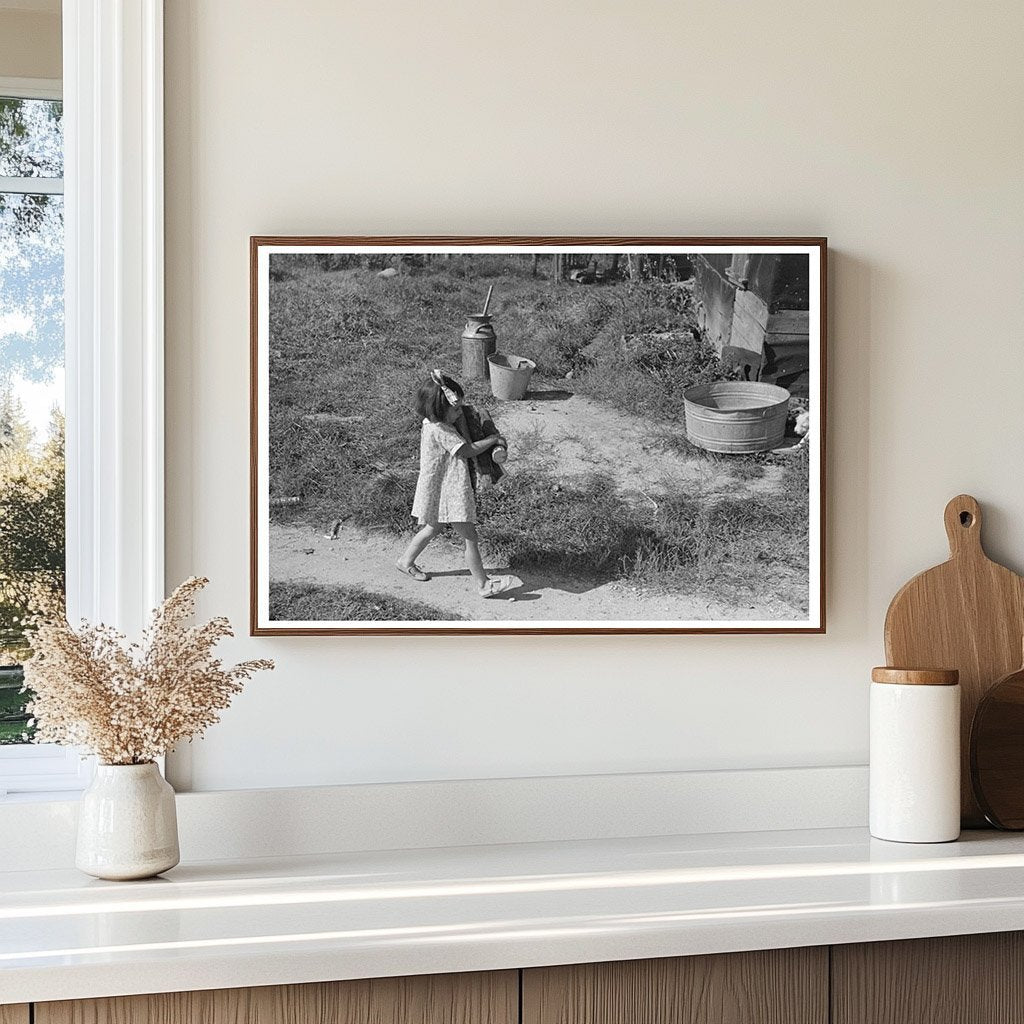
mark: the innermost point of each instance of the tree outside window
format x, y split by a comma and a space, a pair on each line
31, 386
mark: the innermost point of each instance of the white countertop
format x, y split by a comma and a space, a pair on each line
227, 924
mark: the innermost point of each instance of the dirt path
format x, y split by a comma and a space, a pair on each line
356, 558
568, 436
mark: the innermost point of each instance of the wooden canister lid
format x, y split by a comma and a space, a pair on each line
916, 676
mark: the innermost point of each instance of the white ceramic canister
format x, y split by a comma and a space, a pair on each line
915, 755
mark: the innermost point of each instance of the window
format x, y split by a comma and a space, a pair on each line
112, 207
32, 532
31, 381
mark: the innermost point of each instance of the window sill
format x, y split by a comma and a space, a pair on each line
42, 797
43, 770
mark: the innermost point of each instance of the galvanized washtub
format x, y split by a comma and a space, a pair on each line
736, 417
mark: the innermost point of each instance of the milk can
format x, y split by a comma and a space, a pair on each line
478, 342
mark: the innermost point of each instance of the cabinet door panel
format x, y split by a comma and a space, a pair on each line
778, 986
960, 979
14, 1014
483, 998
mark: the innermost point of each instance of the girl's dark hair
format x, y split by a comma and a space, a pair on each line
430, 400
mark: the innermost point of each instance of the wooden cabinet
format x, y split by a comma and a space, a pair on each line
491, 998
962, 979
777, 986
967, 979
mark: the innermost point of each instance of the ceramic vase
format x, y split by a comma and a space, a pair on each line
127, 825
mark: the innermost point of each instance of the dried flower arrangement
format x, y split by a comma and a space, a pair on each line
130, 703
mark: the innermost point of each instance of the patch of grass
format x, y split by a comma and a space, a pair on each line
315, 603
383, 500
530, 441
752, 466
584, 527
703, 542
748, 469
796, 469
715, 544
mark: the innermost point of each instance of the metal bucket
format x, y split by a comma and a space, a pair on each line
510, 375
736, 417
479, 340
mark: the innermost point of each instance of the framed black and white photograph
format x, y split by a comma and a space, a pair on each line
537, 435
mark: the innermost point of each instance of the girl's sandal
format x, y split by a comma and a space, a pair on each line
412, 570
499, 585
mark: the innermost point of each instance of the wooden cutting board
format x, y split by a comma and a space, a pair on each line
967, 614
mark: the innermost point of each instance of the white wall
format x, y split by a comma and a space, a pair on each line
895, 129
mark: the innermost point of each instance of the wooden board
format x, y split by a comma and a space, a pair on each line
750, 362
776, 986
14, 1014
967, 614
962, 979
715, 300
481, 998
997, 752
749, 322
790, 321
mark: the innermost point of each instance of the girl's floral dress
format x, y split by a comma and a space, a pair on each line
444, 492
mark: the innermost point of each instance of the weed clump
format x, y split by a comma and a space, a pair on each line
313, 602
713, 543
584, 527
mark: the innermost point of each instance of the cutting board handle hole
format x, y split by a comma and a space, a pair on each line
966, 519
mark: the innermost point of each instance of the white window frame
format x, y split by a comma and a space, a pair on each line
114, 348
31, 89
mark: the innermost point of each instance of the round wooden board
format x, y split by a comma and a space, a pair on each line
997, 752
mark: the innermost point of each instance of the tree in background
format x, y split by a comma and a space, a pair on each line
31, 524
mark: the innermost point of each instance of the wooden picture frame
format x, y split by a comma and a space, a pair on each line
345, 318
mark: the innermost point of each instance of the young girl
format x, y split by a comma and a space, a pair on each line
444, 491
